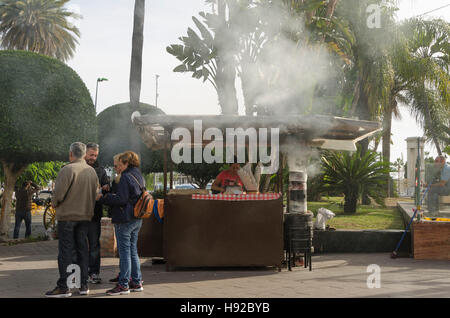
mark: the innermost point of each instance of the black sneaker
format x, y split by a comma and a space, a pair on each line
84, 290
135, 287
118, 290
114, 280
58, 292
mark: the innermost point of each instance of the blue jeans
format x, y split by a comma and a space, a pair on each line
129, 264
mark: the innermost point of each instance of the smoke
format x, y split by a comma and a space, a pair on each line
279, 65
302, 158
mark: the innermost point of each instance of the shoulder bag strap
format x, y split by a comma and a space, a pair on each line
141, 187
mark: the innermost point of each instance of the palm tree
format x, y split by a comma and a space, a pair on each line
209, 55
426, 77
351, 174
40, 26
369, 76
420, 56
136, 62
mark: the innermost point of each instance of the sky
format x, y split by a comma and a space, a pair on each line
104, 50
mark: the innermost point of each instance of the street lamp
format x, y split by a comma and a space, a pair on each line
156, 97
100, 79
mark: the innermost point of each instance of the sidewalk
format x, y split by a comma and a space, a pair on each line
29, 270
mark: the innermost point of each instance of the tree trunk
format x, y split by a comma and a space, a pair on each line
331, 7
360, 107
350, 202
387, 128
136, 63
136, 53
226, 65
12, 172
248, 91
429, 124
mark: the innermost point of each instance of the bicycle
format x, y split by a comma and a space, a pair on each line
49, 217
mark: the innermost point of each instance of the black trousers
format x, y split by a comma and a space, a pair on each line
72, 235
94, 247
26, 216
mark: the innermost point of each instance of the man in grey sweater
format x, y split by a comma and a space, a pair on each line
74, 199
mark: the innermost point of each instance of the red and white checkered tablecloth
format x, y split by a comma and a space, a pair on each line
237, 197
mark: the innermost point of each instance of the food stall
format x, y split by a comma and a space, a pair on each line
202, 230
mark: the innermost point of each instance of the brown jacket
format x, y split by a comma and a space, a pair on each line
75, 192
24, 197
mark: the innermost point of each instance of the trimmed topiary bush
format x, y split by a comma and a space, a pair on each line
44, 107
115, 130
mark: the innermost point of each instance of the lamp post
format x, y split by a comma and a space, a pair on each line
417, 189
100, 79
156, 96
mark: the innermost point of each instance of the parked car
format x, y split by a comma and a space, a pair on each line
187, 186
42, 196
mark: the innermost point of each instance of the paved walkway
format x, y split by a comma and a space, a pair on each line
29, 270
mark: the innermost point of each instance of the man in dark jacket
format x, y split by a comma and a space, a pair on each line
23, 207
92, 151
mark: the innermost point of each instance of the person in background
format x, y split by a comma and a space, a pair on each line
125, 224
228, 178
24, 197
439, 188
92, 150
74, 200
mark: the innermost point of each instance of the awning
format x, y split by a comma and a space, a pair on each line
321, 131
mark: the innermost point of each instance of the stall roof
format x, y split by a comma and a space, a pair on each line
316, 130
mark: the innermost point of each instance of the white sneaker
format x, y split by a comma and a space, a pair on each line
84, 290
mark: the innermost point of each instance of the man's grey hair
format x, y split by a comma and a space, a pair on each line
78, 149
92, 145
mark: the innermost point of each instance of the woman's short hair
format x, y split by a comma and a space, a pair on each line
116, 157
131, 158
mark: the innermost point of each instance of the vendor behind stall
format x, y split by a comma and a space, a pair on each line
439, 188
228, 181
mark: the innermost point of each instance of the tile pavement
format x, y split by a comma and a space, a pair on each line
30, 269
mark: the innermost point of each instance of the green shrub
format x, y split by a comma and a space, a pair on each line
44, 107
115, 130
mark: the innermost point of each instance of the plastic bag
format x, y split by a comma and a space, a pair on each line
247, 178
323, 215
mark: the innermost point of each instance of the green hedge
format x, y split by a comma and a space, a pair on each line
44, 107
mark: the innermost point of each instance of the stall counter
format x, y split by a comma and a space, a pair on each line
203, 231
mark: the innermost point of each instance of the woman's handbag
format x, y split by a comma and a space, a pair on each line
146, 206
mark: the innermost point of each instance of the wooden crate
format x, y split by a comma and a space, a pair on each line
431, 240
